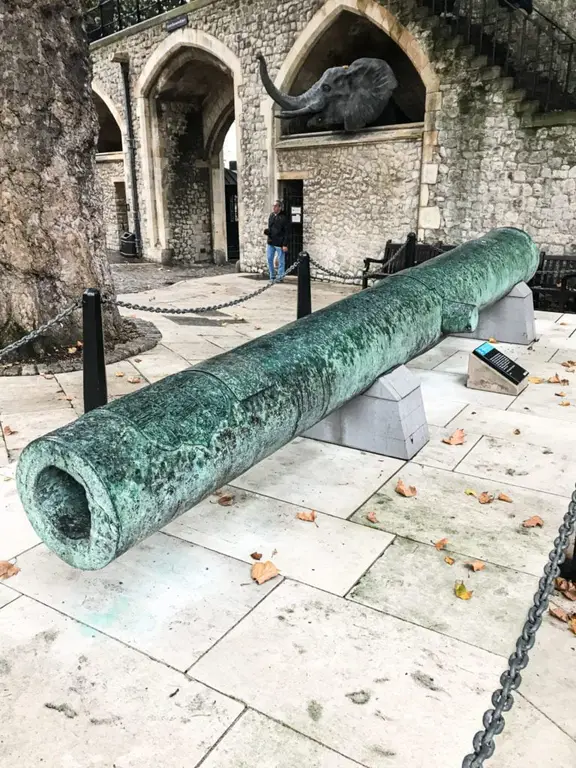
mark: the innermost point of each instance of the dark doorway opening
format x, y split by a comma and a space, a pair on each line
232, 229
292, 195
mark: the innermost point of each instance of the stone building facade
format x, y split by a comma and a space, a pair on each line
469, 151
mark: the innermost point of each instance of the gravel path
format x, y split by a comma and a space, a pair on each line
131, 277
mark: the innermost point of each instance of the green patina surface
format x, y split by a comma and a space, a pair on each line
96, 487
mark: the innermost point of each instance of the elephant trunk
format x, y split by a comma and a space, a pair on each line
282, 99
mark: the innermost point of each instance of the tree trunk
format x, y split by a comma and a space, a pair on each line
51, 230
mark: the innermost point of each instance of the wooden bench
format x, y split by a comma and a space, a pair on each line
554, 284
413, 253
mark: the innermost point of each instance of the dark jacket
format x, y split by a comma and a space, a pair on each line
278, 230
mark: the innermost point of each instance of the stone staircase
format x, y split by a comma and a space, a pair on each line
535, 57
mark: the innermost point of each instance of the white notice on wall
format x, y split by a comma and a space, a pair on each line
296, 218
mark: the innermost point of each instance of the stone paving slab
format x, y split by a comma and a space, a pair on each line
413, 582
331, 478
165, 598
199, 349
438, 454
118, 377
7, 595
437, 385
258, 740
388, 693
505, 463
16, 533
159, 363
30, 393
489, 532
72, 697
330, 554
27, 426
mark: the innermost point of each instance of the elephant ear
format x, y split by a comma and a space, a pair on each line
371, 83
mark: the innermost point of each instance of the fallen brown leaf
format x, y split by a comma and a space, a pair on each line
569, 364
308, 517
461, 591
572, 624
449, 560
558, 613
560, 394
517, 432
262, 572
565, 382
567, 588
470, 492
72, 350
476, 565
533, 522
134, 380
371, 516
504, 497
9, 431
486, 498
137, 360
564, 403
119, 374
402, 490
562, 323
554, 379
226, 499
535, 380
458, 438
7, 570
256, 556
441, 544
492, 341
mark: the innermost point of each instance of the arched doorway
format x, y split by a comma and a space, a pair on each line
111, 174
188, 99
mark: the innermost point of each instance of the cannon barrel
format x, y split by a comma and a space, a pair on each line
96, 487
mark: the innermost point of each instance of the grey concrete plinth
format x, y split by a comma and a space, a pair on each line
388, 418
510, 320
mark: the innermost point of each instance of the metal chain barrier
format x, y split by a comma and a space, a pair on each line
39, 331
342, 276
203, 310
502, 699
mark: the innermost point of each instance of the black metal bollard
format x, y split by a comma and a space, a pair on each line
410, 259
304, 286
94, 368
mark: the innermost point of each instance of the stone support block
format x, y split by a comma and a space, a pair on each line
510, 320
387, 419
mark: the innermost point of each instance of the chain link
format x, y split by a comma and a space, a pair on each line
202, 310
39, 331
510, 680
342, 276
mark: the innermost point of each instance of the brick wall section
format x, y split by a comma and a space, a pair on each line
480, 166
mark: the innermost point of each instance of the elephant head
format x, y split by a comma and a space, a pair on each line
353, 96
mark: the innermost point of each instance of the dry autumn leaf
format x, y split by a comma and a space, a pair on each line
569, 364
461, 591
134, 380
560, 394
470, 492
535, 380
371, 516
72, 350
476, 565
226, 499
558, 613
256, 556
137, 359
572, 624
119, 374
262, 572
533, 522
564, 403
492, 341
402, 490
449, 560
9, 431
458, 438
567, 588
504, 497
517, 432
486, 498
7, 570
441, 544
565, 382
308, 517
554, 379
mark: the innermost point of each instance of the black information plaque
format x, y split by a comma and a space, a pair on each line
499, 362
176, 23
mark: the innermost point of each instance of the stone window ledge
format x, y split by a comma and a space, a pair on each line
339, 138
549, 119
110, 157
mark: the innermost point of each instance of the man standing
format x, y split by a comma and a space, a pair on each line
277, 233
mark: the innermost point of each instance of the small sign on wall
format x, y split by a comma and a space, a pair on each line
176, 23
296, 214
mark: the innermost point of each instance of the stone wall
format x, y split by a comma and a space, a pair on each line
186, 180
110, 169
563, 12
484, 161
357, 194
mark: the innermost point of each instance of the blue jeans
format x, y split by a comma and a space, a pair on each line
271, 252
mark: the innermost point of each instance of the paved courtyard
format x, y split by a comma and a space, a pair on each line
359, 653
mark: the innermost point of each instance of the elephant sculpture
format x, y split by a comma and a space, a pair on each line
353, 96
